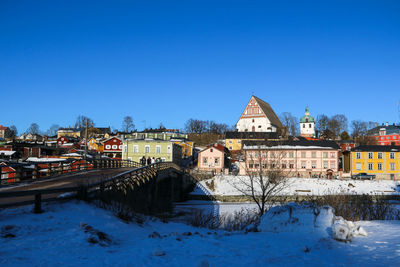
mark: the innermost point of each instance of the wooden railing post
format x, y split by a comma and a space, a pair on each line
18, 173
38, 204
35, 172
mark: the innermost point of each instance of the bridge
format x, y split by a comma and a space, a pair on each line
146, 189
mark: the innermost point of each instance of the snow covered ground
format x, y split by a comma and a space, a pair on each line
60, 237
227, 185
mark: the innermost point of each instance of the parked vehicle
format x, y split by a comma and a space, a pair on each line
363, 176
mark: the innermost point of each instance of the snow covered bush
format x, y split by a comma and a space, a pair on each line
308, 218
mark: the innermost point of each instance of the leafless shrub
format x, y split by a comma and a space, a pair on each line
238, 221
359, 207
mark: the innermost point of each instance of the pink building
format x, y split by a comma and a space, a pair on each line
214, 158
315, 158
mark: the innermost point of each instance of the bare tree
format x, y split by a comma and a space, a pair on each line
267, 173
195, 126
127, 124
359, 128
33, 129
81, 122
13, 132
52, 130
338, 124
290, 122
321, 123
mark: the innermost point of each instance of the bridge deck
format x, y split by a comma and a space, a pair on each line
63, 181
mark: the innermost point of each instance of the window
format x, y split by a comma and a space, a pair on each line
290, 154
147, 149
284, 155
325, 164
313, 164
230, 148
358, 166
256, 165
379, 155
325, 154
309, 126
108, 146
230, 141
303, 154
333, 163
135, 149
114, 146
379, 166
211, 150
239, 141
125, 148
370, 166
158, 149
358, 155
216, 161
314, 154
391, 155
264, 165
169, 149
251, 165
332, 155
204, 161
370, 155
303, 164
291, 165
392, 166
284, 165
304, 126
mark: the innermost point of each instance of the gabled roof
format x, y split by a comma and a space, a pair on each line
218, 147
269, 112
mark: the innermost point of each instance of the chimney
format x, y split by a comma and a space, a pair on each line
387, 124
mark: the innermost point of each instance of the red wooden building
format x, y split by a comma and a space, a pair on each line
113, 147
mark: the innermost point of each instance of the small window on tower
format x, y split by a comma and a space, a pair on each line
309, 126
252, 120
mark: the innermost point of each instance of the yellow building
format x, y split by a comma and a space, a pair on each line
95, 145
187, 146
383, 161
70, 132
234, 140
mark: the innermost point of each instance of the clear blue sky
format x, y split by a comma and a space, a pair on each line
168, 61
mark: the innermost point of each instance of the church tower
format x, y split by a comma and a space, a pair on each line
307, 125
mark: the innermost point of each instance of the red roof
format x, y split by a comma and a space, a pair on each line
219, 147
3, 127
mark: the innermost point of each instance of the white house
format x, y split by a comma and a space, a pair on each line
258, 116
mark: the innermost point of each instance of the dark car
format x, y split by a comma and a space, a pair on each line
363, 176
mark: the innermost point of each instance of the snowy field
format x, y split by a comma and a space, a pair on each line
227, 186
79, 234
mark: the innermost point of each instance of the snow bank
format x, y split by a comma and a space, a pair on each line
309, 220
225, 185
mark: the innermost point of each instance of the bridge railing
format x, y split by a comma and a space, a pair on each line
33, 171
82, 191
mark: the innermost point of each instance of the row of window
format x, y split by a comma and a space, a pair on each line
290, 154
387, 137
371, 155
379, 166
147, 149
216, 161
113, 147
290, 165
238, 141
